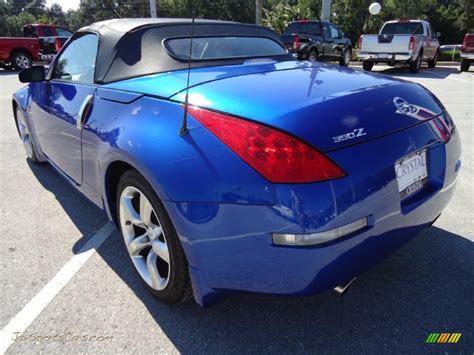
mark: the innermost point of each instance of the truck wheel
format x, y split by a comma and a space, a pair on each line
21, 60
465, 64
367, 65
432, 62
313, 55
416, 64
345, 58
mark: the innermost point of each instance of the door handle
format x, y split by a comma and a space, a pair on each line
84, 111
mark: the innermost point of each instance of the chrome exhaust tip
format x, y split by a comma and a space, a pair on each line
341, 289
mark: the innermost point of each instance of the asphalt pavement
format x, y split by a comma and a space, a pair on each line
53, 283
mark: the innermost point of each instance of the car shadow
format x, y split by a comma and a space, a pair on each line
4, 72
425, 72
425, 287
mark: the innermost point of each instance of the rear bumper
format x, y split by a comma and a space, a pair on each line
385, 57
47, 57
229, 246
467, 55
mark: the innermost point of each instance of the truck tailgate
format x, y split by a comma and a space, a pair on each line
385, 43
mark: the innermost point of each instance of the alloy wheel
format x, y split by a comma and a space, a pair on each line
26, 139
144, 237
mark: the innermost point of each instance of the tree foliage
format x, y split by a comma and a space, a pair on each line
453, 18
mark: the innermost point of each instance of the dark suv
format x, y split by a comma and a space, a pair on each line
316, 40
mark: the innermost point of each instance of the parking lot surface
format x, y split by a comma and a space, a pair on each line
53, 282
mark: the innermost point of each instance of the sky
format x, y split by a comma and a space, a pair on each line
65, 4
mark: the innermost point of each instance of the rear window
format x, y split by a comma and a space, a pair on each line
207, 48
402, 28
310, 28
292, 28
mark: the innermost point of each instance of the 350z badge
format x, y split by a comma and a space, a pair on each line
358, 132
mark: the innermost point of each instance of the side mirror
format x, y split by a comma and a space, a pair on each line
438, 34
32, 74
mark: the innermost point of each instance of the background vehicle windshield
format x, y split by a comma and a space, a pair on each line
224, 47
402, 28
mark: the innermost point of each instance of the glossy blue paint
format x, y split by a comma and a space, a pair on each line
224, 211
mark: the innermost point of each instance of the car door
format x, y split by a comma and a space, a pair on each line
328, 41
338, 42
315, 32
62, 103
433, 42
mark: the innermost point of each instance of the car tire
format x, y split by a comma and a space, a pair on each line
151, 240
21, 60
432, 63
367, 65
416, 64
25, 136
345, 58
465, 64
313, 55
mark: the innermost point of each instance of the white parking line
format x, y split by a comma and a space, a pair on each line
28, 314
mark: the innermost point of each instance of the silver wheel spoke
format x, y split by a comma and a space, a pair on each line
145, 210
153, 270
148, 249
161, 249
138, 244
132, 214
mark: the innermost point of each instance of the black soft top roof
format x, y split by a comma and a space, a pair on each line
133, 47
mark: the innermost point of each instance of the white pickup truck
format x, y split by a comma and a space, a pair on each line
403, 41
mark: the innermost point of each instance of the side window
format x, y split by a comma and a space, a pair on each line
327, 31
47, 32
62, 32
77, 61
334, 31
432, 32
314, 29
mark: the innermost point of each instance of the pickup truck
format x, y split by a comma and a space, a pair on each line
403, 41
39, 43
18, 52
467, 51
317, 40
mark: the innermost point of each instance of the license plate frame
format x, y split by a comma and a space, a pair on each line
411, 172
383, 55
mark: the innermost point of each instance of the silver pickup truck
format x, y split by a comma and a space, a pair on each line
409, 42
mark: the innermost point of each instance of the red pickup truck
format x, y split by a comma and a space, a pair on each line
18, 52
39, 42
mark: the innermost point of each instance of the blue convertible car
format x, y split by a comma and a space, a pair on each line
228, 165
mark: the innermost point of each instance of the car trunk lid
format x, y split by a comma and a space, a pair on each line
326, 106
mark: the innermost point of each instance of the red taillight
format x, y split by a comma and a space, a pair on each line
278, 157
360, 42
411, 45
58, 44
296, 43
